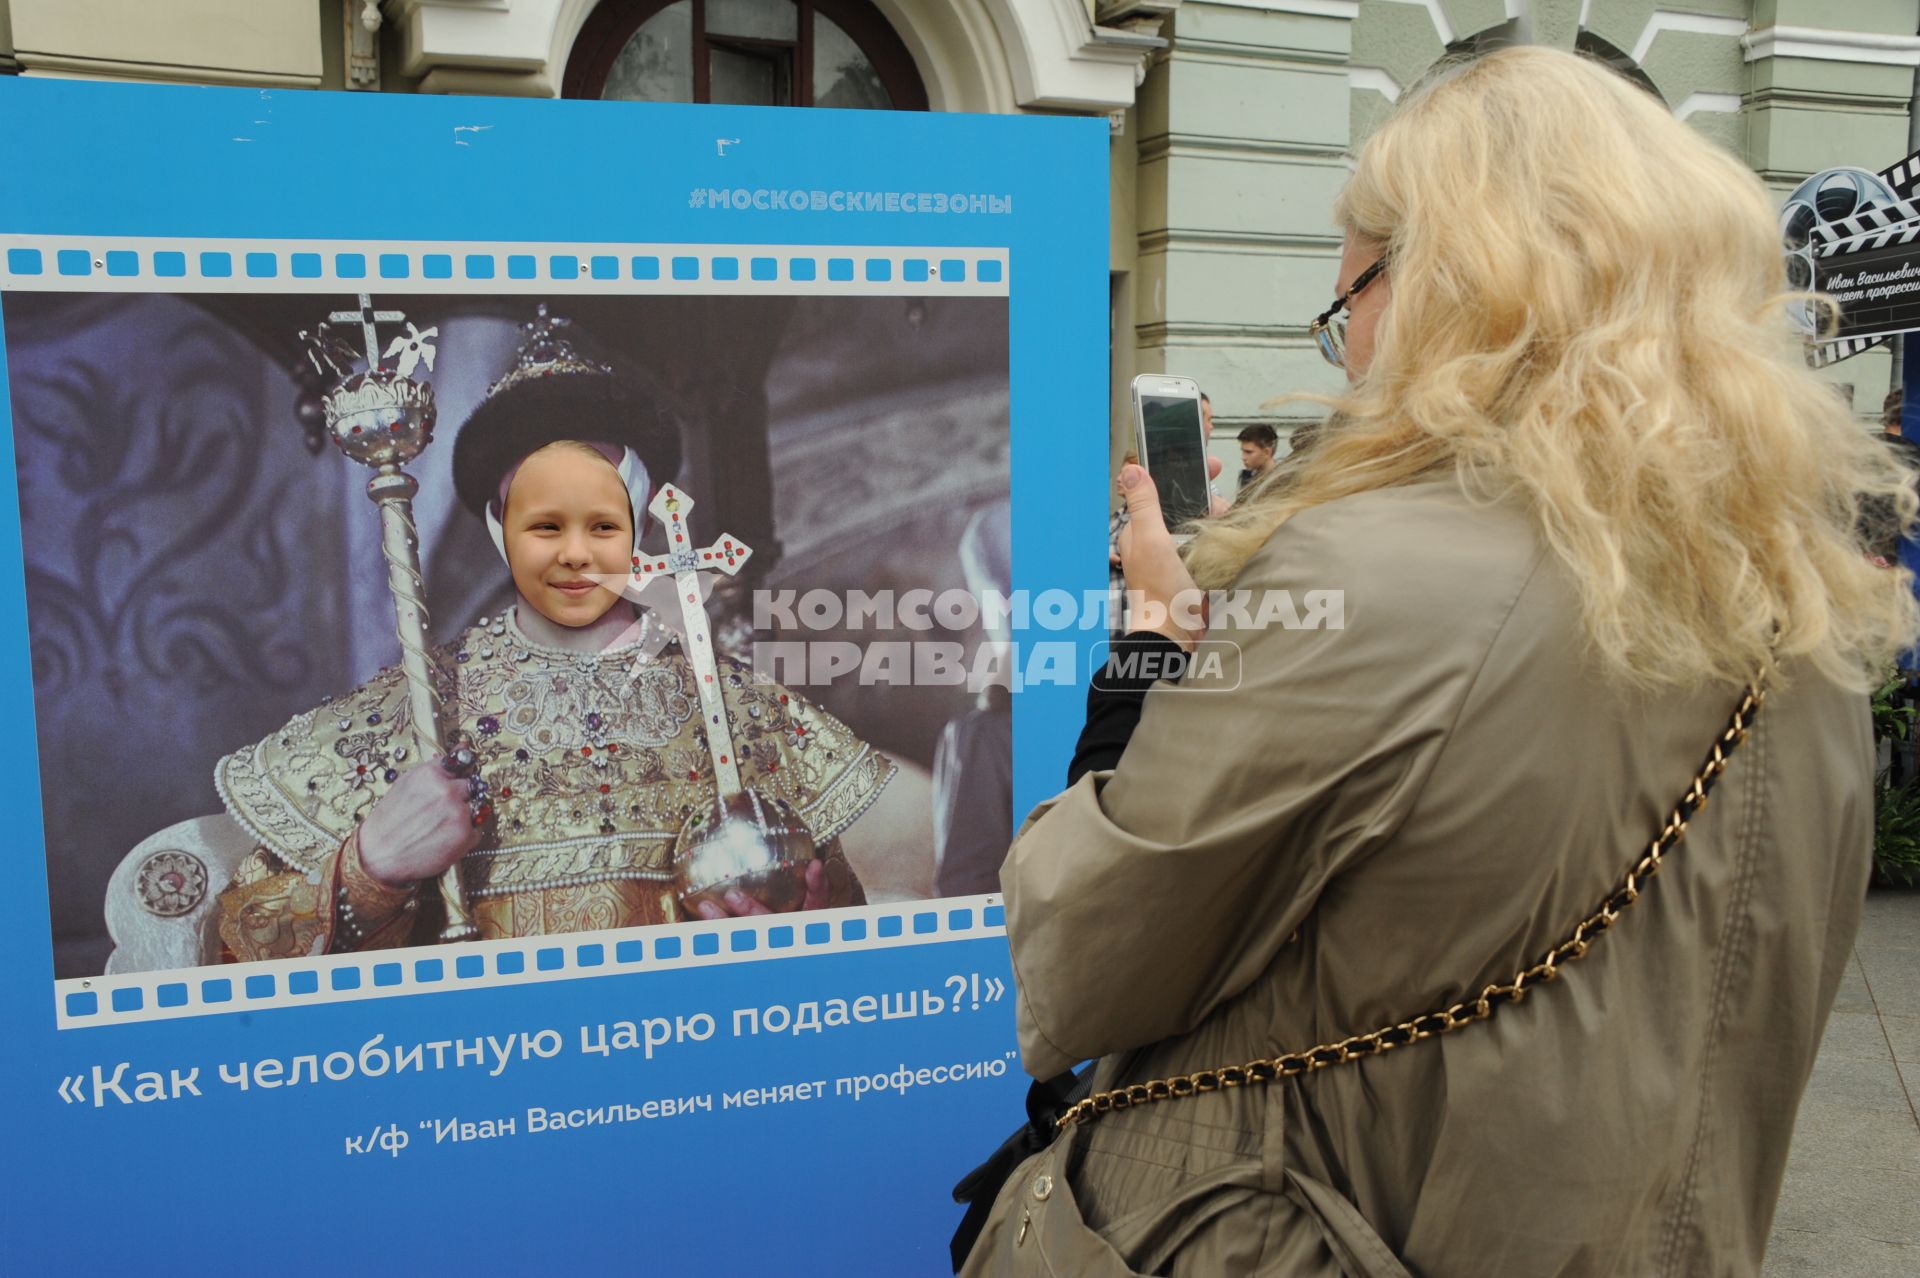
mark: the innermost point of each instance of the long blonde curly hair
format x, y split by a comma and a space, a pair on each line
1588, 310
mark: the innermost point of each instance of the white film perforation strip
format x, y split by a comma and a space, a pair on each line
81, 1002
141, 264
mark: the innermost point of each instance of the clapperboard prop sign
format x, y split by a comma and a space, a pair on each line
1855, 236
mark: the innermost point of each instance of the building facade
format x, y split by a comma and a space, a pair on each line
1231, 120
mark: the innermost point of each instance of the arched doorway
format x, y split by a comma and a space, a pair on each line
830, 53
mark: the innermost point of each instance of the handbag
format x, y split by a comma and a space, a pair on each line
1059, 1103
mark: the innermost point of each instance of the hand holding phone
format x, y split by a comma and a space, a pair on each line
1156, 577
1172, 445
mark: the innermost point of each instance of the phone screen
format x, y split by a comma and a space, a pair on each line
1176, 456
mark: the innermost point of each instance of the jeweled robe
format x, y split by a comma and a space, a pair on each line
594, 763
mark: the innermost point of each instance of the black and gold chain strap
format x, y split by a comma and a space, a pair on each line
1491, 999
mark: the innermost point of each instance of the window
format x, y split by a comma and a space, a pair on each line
830, 53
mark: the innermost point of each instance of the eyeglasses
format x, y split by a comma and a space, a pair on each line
1329, 328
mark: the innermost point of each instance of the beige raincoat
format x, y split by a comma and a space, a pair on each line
1377, 820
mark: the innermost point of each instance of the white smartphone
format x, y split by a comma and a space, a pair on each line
1172, 444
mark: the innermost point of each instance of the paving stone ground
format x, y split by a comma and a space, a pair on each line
1851, 1202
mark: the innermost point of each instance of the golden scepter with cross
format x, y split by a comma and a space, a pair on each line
383, 418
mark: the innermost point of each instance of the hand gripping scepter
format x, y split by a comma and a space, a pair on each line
382, 418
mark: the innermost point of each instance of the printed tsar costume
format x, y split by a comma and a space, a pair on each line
592, 762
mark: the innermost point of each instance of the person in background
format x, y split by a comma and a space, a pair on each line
1257, 444
1879, 529
1216, 504
1580, 497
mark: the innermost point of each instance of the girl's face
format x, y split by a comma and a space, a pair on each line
567, 520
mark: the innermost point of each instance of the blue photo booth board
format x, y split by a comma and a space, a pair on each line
788, 1094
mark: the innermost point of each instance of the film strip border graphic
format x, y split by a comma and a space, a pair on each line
93, 264
82, 1002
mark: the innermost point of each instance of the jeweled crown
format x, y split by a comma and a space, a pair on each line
546, 352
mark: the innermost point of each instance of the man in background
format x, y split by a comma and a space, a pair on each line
1257, 444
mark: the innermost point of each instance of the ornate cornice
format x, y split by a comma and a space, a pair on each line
1822, 44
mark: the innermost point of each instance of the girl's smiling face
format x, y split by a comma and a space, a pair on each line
567, 522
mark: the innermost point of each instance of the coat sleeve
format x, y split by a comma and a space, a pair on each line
1141, 899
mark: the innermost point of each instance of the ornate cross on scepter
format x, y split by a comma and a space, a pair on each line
366, 317
382, 418
745, 838
671, 507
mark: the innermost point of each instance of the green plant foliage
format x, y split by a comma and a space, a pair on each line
1896, 832
1896, 802
1893, 716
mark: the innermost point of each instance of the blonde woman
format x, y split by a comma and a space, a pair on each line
1581, 490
